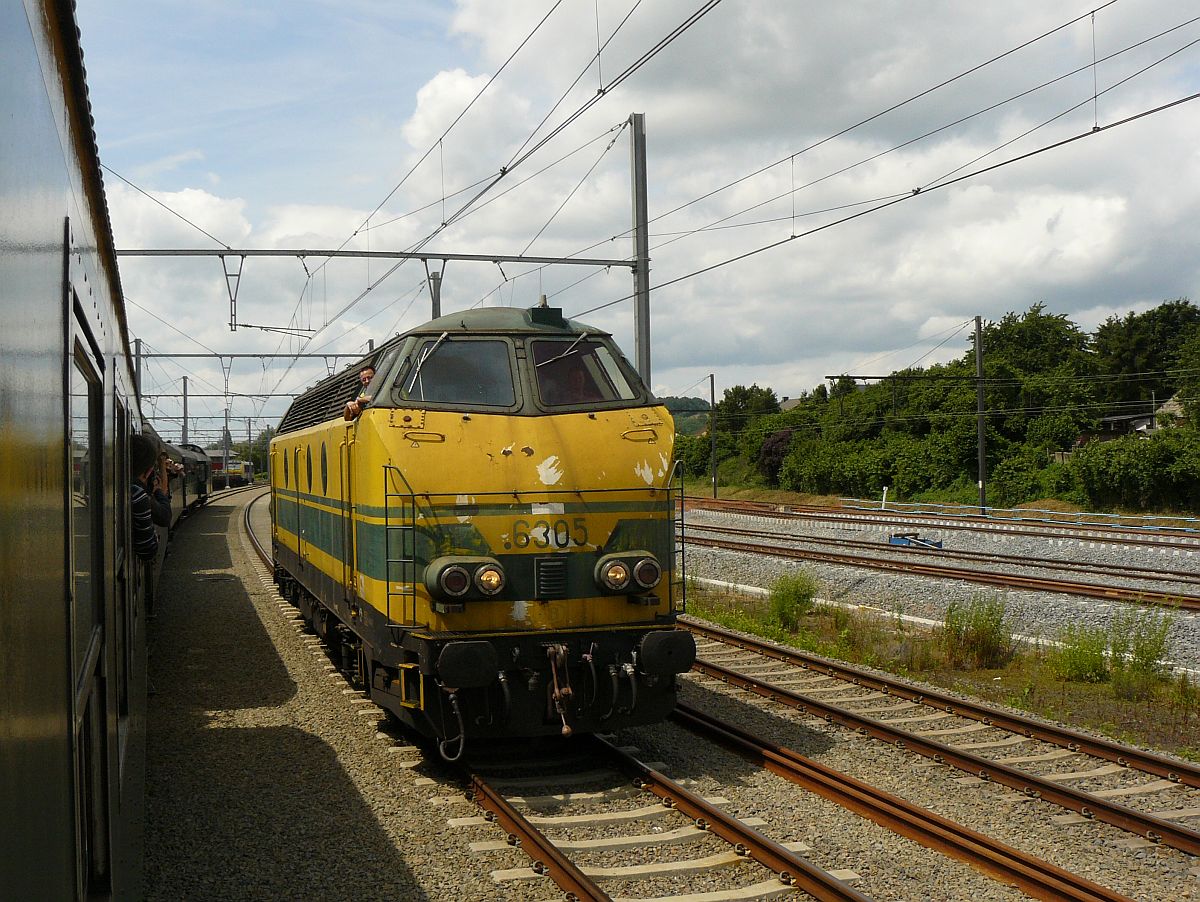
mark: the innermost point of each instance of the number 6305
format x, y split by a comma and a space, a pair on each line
546, 533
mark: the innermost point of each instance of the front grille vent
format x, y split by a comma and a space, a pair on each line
550, 578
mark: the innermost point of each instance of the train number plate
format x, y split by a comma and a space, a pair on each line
559, 532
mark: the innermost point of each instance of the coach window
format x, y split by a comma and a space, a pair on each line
458, 371
308, 465
87, 623
324, 471
124, 630
285, 469
87, 505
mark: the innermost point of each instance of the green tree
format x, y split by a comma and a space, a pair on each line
1139, 350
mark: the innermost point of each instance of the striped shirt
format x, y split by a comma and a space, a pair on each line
145, 539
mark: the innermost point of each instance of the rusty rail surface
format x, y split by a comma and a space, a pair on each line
1168, 538
787, 865
1032, 875
1149, 826
1001, 580
1120, 571
1176, 771
547, 859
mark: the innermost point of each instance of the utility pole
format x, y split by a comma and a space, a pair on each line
641, 246
225, 442
184, 440
435, 293
712, 428
137, 366
980, 419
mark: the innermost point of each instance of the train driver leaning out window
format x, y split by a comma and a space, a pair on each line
355, 407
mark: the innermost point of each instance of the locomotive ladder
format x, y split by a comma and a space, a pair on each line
400, 544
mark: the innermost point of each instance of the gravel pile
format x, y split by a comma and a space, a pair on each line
1034, 614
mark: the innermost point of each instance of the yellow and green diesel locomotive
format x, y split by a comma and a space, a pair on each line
490, 543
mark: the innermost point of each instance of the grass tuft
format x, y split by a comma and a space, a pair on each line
1081, 655
791, 598
976, 635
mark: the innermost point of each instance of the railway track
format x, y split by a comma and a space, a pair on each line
688, 818
758, 866
1123, 571
1158, 537
943, 571
956, 732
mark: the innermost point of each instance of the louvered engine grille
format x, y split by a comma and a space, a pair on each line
550, 577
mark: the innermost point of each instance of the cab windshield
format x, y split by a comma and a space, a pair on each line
457, 371
578, 370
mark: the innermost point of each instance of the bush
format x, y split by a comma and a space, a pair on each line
976, 635
791, 598
1081, 655
1139, 644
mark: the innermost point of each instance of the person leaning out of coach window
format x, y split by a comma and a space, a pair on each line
142, 464
359, 404
158, 486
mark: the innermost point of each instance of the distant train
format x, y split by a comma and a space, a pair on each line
232, 474
72, 593
491, 544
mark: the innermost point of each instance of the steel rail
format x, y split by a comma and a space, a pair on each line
259, 548
1148, 574
1038, 878
1000, 580
1097, 532
547, 859
1153, 828
787, 865
1176, 771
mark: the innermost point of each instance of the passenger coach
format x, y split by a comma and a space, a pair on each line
72, 607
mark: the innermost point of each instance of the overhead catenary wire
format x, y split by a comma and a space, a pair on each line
632, 68
915, 193
891, 109
928, 134
720, 222
173, 212
1069, 110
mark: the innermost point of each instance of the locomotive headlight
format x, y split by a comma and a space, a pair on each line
454, 581
489, 579
647, 573
615, 575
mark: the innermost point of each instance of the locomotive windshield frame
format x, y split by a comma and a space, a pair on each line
459, 371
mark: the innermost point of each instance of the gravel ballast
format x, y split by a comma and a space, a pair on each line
267, 779
270, 778
1034, 614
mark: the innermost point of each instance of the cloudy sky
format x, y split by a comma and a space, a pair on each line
329, 123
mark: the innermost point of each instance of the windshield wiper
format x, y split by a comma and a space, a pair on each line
425, 355
570, 350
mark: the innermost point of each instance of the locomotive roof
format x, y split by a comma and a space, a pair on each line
324, 400
537, 320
